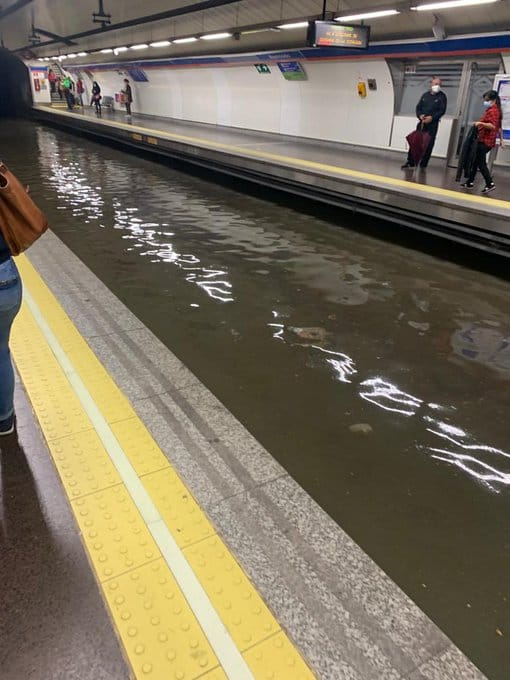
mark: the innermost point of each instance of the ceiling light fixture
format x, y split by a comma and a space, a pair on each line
82, 54
450, 4
160, 43
181, 41
141, 46
107, 50
118, 50
296, 24
369, 15
216, 36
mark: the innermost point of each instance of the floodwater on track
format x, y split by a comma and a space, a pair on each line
377, 375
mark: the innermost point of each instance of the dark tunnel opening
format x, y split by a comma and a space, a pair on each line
15, 91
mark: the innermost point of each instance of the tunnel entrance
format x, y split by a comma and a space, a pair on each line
15, 92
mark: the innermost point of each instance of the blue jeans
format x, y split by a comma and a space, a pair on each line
10, 302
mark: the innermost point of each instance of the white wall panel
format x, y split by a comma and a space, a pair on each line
332, 109
326, 106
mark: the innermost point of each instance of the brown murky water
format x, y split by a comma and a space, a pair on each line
377, 375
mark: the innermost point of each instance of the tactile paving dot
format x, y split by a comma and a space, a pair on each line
277, 659
141, 449
115, 534
240, 607
178, 508
162, 638
83, 464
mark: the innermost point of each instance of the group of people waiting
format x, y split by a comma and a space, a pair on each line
486, 131
126, 92
73, 93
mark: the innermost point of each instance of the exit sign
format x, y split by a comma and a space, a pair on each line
262, 68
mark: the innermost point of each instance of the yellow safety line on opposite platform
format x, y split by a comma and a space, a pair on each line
300, 162
182, 606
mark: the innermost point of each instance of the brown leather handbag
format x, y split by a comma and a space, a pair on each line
21, 221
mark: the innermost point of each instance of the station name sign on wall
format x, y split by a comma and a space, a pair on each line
332, 34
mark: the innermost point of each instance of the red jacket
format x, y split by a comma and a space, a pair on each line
486, 136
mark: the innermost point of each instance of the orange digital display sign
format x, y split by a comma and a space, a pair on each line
331, 34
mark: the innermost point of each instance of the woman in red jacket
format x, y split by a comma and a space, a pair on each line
489, 128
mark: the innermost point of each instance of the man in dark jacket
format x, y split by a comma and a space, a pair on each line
429, 111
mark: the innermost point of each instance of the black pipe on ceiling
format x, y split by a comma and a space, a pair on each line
14, 8
147, 19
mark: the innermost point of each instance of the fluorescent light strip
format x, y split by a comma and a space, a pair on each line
107, 50
141, 46
369, 15
161, 43
297, 24
118, 50
451, 4
82, 54
180, 41
216, 36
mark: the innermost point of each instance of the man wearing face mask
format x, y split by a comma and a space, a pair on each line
429, 111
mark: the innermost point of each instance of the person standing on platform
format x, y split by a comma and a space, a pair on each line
429, 111
53, 80
80, 89
128, 96
10, 302
67, 87
96, 97
489, 128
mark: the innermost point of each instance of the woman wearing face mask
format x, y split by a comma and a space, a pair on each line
489, 128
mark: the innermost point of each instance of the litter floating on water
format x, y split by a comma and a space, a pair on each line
361, 428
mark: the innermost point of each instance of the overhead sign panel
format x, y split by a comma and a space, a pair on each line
333, 34
292, 70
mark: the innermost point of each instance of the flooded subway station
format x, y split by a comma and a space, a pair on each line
375, 374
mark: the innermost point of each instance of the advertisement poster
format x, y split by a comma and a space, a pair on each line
503, 89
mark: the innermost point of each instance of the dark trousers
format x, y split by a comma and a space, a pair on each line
128, 108
431, 129
481, 164
69, 99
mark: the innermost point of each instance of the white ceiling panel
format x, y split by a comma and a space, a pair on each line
66, 17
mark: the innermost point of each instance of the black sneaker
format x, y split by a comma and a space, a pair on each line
488, 188
406, 165
7, 426
467, 185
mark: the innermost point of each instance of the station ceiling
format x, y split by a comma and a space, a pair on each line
53, 27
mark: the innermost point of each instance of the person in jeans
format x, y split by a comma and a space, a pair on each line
489, 128
10, 302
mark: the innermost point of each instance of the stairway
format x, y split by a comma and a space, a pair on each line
55, 97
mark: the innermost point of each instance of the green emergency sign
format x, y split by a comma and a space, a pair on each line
262, 68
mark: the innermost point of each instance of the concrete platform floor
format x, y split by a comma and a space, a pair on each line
348, 619
386, 163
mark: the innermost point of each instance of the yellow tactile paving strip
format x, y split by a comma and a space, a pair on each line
160, 634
